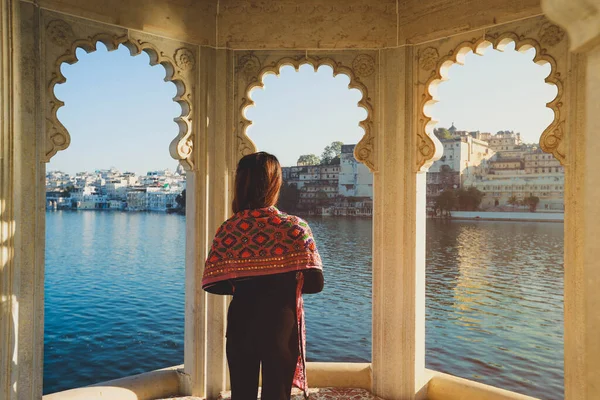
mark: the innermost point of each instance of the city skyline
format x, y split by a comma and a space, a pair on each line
502, 171
116, 98
174, 169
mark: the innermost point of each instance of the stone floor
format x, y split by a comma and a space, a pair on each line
314, 394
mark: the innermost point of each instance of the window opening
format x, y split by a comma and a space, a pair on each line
114, 278
495, 233
310, 120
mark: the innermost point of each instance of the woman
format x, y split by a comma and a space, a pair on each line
266, 259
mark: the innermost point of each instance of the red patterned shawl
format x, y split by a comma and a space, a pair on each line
259, 242
262, 242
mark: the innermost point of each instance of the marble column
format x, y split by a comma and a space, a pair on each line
8, 128
581, 20
399, 237
22, 202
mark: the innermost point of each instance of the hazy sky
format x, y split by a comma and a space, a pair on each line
120, 112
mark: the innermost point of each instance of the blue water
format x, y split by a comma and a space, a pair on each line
115, 298
495, 304
338, 320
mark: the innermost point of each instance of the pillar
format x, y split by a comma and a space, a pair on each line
22, 202
208, 205
581, 19
8, 128
399, 237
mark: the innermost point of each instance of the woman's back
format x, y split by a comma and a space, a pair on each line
266, 259
280, 288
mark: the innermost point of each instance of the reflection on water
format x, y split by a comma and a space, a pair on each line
338, 320
495, 304
115, 298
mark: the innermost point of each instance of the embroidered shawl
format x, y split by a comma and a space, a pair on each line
259, 242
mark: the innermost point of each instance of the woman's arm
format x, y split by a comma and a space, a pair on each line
313, 281
223, 288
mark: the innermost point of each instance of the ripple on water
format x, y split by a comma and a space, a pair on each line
114, 295
114, 299
495, 304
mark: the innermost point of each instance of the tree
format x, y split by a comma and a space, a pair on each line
532, 201
469, 199
449, 179
332, 151
322, 198
288, 197
442, 133
513, 201
180, 200
477, 195
67, 191
308, 159
446, 201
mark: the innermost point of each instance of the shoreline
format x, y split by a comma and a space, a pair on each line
454, 216
505, 216
110, 210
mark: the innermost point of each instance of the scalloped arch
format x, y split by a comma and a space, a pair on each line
364, 150
57, 136
550, 139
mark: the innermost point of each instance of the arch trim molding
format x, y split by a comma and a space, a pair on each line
61, 39
550, 44
250, 71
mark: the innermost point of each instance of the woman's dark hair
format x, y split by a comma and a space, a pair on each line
257, 182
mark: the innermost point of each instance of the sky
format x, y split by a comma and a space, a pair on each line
119, 111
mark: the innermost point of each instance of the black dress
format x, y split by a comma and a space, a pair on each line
262, 329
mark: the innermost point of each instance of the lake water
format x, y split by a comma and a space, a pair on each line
115, 298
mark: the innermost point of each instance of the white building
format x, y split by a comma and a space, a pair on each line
503, 141
308, 174
116, 189
88, 198
56, 180
502, 165
463, 157
117, 205
330, 172
538, 162
318, 193
549, 189
355, 179
152, 198
137, 200
161, 199
78, 193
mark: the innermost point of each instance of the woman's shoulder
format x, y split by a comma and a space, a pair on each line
228, 224
275, 216
296, 220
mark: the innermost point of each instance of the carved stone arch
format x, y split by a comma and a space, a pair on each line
538, 33
252, 66
62, 36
